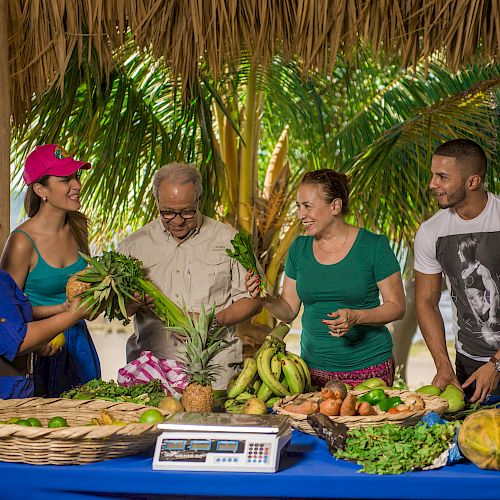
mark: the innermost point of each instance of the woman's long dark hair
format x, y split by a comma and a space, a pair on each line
77, 222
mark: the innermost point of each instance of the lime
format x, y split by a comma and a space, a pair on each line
26, 423
57, 422
13, 420
151, 416
34, 422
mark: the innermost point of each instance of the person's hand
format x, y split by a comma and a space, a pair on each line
341, 322
445, 377
252, 282
486, 379
79, 311
140, 302
49, 350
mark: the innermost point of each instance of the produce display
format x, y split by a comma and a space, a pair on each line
392, 449
272, 373
336, 400
150, 394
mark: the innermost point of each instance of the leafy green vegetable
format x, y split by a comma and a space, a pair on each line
114, 279
145, 394
243, 253
392, 449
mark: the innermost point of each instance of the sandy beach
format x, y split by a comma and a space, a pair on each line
110, 340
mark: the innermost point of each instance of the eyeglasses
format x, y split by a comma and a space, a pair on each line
172, 214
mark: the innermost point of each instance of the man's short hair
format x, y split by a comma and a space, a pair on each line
178, 173
469, 153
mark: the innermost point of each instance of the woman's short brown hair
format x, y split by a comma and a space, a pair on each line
334, 185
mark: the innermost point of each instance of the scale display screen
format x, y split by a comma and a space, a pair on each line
231, 446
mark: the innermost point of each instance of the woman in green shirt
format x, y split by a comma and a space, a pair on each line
338, 272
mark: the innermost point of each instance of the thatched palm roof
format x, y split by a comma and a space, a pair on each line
44, 34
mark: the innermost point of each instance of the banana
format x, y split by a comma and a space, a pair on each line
228, 403
107, 418
266, 374
292, 375
243, 396
235, 408
256, 384
244, 378
96, 421
305, 370
264, 392
270, 402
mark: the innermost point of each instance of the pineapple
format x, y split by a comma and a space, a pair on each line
201, 345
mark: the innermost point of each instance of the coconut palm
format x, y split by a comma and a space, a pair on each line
377, 123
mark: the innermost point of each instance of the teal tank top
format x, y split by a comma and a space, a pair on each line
46, 285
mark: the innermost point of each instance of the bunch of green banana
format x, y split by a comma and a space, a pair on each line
271, 374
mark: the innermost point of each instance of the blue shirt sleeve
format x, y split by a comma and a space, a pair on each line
15, 313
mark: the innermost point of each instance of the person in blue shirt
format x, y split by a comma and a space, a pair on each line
20, 336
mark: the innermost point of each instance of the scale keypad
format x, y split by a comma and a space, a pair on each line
258, 453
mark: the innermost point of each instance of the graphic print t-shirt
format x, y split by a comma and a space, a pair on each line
467, 252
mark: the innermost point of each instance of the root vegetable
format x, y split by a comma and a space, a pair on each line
330, 407
365, 409
348, 407
306, 407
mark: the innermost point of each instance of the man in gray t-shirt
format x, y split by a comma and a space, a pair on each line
462, 243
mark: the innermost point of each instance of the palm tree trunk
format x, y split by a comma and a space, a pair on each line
247, 175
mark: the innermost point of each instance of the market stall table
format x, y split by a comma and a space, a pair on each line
307, 470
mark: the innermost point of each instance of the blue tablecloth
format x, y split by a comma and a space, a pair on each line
307, 470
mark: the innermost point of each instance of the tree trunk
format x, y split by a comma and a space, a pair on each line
4, 128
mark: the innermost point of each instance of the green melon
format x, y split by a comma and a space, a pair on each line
479, 438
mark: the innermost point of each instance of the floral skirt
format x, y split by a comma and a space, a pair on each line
384, 370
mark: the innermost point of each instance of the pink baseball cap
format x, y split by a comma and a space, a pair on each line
50, 159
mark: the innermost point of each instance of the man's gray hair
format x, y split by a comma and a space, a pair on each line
178, 173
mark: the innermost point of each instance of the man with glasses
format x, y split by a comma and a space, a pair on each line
184, 253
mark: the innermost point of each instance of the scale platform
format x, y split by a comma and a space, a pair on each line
221, 442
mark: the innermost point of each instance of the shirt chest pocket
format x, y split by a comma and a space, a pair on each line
210, 279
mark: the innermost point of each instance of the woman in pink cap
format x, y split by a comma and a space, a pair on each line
41, 255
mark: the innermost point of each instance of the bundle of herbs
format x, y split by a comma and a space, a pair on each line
243, 252
149, 394
392, 449
111, 280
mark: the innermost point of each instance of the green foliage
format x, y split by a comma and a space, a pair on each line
114, 279
393, 449
150, 393
243, 252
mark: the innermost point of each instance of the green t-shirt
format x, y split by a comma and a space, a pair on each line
352, 284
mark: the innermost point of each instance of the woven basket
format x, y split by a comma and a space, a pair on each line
79, 443
299, 421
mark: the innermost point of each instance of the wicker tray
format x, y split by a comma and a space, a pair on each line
432, 403
77, 444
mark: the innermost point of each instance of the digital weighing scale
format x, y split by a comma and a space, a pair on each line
221, 442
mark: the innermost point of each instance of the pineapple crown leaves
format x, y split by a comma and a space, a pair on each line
202, 344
